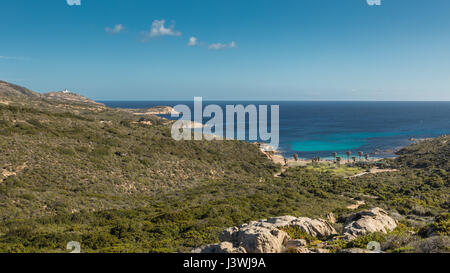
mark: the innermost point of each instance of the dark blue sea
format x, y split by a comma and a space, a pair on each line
319, 128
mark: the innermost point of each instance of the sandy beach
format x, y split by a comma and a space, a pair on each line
277, 158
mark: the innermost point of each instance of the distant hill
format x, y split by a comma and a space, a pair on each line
15, 94
69, 97
12, 91
12, 94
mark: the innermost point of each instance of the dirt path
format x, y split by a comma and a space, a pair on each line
372, 171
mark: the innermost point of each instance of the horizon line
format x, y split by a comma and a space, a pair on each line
280, 100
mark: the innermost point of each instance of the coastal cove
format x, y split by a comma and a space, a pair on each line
320, 128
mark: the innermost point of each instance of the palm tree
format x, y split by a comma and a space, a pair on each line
338, 161
360, 155
354, 159
296, 157
367, 156
348, 155
318, 159
335, 156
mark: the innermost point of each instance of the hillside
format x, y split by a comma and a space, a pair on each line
428, 154
116, 182
11, 94
64, 162
69, 97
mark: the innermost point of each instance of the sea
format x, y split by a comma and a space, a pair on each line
320, 128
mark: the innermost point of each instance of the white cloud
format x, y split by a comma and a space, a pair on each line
73, 2
219, 46
116, 29
192, 41
159, 29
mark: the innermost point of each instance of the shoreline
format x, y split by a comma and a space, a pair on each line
286, 163
278, 158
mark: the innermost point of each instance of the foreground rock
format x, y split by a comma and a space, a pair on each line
256, 239
315, 227
309, 250
224, 247
370, 221
265, 236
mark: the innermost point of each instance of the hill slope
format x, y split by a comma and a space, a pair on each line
14, 92
11, 94
434, 153
64, 162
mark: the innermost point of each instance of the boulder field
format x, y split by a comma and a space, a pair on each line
268, 236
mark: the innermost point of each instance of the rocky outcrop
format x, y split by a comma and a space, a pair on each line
249, 239
266, 236
256, 239
157, 110
224, 247
315, 227
331, 218
309, 250
369, 221
302, 246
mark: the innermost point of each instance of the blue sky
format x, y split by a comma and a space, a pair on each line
243, 49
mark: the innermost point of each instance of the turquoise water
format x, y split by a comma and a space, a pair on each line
320, 128
352, 141
319, 146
